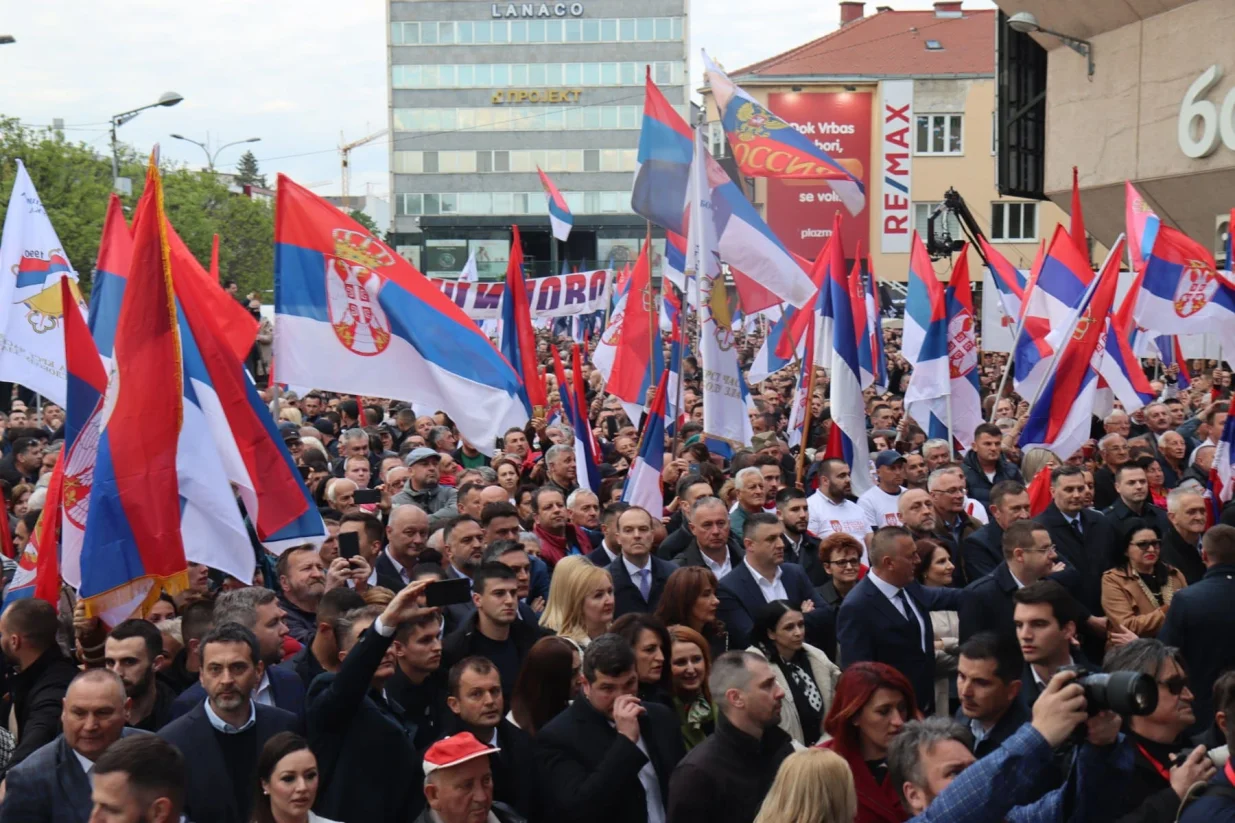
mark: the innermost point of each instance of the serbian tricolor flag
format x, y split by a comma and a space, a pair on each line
1077, 225
1051, 303
560, 217
848, 406
518, 337
132, 547
1182, 292
749, 127
1009, 281
874, 327
643, 486
1060, 418
37, 573
587, 475
666, 146
926, 344
1222, 473
966, 393
640, 354
675, 260
1171, 354
1142, 226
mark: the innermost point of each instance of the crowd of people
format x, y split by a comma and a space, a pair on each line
480, 639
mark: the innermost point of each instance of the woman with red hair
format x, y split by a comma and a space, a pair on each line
872, 704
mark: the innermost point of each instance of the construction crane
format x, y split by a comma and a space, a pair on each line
345, 150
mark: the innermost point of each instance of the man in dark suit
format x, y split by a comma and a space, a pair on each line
1181, 544
322, 655
764, 576
605, 552
1114, 450
51, 785
801, 546
982, 551
638, 577
988, 682
407, 532
714, 545
1200, 621
350, 718
690, 488
1132, 500
886, 618
607, 757
1046, 618
225, 733
28, 629
476, 706
257, 609
1081, 536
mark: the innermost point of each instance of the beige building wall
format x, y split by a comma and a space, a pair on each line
972, 173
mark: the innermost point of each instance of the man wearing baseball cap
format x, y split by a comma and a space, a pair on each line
880, 500
459, 783
422, 489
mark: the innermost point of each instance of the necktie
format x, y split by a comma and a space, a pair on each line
1076, 527
645, 583
909, 613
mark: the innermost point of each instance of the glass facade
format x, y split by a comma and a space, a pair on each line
519, 118
491, 75
485, 32
502, 203
498, 161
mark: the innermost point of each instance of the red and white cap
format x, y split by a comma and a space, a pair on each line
452, 751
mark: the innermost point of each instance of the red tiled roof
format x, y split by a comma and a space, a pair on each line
891, 43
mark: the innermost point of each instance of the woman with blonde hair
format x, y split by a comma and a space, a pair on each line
811, 786
1034, 460
580, 605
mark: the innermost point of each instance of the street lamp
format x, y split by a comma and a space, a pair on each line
168, 98
1027, 23
210, 158
7, 39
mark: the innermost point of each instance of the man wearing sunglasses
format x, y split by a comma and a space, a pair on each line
1160, 778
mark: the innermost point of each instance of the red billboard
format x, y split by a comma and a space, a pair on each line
800, 211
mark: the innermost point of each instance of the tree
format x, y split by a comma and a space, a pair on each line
74, 183
366, 221
247, 173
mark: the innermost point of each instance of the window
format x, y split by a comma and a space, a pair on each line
501, 161
934, 45
945, 222
430, 162
1014, 222
623, 30
646, 28
664, 28
718, 146
939, 134
591, 160
484, 161
626, 29
518, 118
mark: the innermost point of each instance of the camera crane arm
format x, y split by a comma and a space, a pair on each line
946, 246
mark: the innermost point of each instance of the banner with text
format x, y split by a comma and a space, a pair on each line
800, 211
895, 205
559, 295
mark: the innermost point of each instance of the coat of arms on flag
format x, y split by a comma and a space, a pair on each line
963, 353
1196, 287
352, 284
38, 287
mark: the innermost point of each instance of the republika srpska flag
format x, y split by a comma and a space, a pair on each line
926, 344
354, 317
848, 407
587, 475
1060, 418
1009, 280
758, 138
666, 146
560, 217
639, 356
32, 261
132, 547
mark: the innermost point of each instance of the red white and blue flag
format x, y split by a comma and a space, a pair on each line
1009, 281
518, 342
848, 406
560, 217
662, 176
643, 486
356, 318
785, 153
1050, 306
926, 344
1181, 290
1222, 472
587, 475
639, 354
132, 547
1171, 354
1142, 225
966, 394
874, 327
1060, 418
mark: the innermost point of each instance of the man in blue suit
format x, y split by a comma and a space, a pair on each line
764, 576
52, 784
886, 618
257, 609
639, 577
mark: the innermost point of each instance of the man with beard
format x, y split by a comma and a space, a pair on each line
917, 513
800, 546
133, 650
351, 718
257, 610
302, 578
225, 733
915, 471
831, 510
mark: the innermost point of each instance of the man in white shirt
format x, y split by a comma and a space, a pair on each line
880, 501
831, 510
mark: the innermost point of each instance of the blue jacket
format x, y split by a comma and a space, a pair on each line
1004, 785
286, 688
741, 600
49, 786
1199, 614
1212, 807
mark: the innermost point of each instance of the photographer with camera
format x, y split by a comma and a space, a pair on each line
1167, 765
940, 781
1214, 802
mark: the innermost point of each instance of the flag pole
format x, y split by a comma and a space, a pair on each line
1008, 366
951, 435
807, 417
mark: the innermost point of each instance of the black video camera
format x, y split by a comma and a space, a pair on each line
1125, 693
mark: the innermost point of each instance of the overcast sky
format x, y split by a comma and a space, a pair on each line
295, 74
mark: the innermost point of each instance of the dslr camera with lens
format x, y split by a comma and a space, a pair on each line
1125, 693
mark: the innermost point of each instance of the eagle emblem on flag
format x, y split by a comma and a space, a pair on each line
754, 122
1196, 287
38, 287
352, 286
